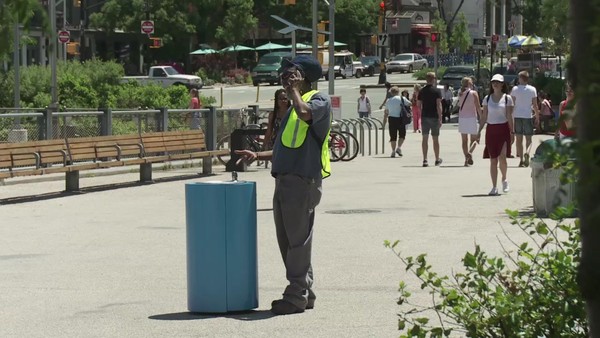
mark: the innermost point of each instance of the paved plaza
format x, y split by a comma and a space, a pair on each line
111, 261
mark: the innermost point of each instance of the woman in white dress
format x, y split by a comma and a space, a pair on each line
468, 115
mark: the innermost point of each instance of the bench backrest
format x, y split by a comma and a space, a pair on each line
24, 154
173, 141
99, 147
95, 148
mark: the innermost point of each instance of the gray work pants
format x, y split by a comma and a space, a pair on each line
294, 201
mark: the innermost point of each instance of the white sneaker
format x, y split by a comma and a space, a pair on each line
399, 152
505, 186
493, 192
393, 154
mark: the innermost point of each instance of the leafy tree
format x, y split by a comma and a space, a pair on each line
530, 10
555, 24
171, 20
354, 16
584, 24
461, 39
439, 25
237, 22
444, 16
22, 11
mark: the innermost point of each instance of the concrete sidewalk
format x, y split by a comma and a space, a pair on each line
111, 262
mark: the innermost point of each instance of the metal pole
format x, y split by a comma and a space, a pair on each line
16, 66
52, 50
331, 46
503, 17
64, 27
435, 58
315, 49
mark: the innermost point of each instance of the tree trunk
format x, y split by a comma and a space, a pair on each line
585, 76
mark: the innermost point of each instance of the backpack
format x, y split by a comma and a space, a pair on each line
406, 113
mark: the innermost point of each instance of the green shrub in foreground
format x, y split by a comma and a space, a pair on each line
530, 292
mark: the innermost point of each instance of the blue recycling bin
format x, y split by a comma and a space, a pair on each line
222, 271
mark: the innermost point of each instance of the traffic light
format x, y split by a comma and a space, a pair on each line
321, 37
73, 48
77, 3
381, 15
435, 37
156, 43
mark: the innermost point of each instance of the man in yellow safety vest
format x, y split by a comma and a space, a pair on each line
300, 158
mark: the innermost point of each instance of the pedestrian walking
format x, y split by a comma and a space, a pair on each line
416, 110
430, 103
499, 132
300, 160
364, 104
525, 99
280, 107
396, 106
469, 113
566, 127
546, 112
195, 103
387, 94
446, 103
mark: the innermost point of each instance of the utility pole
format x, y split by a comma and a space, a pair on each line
331, 45
52, 50
315, 49
17, 66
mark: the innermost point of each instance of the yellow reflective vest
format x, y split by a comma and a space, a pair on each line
295, 132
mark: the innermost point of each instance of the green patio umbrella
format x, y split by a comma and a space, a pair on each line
235, 48
299, 46
271, 46
203, 51
335, 44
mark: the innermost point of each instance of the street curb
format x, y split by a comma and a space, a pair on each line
398, 84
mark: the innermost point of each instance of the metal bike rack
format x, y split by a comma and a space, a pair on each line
355, 122
373, 120
366, 122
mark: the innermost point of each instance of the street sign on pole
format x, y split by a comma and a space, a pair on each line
502, 44
147, 26
64, 36
382, 40
479, 44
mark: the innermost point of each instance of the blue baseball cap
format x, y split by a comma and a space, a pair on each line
309, 65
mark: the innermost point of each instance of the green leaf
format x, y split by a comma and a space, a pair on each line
469, 260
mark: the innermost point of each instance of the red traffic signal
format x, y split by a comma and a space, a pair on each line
435, 37
382, 6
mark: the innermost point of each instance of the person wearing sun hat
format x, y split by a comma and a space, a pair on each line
300, 160
499, 133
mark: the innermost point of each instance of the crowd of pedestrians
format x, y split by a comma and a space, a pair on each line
508, 115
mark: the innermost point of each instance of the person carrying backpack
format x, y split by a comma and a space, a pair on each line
364, 104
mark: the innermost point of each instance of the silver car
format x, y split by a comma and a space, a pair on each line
406, 62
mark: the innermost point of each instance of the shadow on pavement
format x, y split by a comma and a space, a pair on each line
106, 187
481, 195
241, 315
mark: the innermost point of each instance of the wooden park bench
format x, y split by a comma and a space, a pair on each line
72, 155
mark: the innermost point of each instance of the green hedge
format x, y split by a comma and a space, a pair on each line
93, 84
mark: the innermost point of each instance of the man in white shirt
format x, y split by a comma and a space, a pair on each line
525, 99
447, 97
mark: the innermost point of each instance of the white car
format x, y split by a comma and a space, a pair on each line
407, 62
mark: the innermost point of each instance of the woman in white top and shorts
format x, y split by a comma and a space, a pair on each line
500, 131
468, 114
